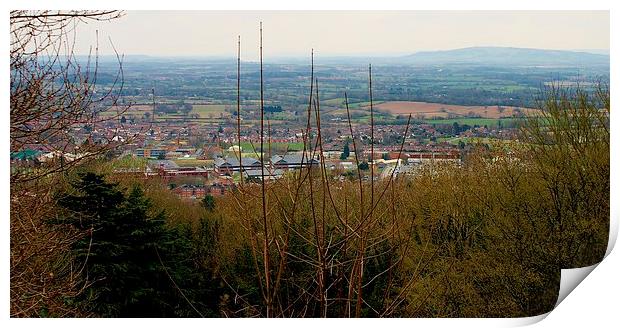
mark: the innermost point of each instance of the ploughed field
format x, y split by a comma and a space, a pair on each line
436, 110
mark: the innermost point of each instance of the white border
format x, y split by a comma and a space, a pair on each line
594, 302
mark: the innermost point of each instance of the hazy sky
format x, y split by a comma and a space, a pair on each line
292, 33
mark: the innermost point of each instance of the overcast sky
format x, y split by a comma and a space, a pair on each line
290, 33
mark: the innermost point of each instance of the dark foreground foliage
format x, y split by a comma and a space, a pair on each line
136, 265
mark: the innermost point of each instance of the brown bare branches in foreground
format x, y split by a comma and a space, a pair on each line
53, 92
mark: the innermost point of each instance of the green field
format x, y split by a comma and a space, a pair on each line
281, 116
473, 140
129, 162
338, 102
206, 111
364, 104
137, 113
191, 162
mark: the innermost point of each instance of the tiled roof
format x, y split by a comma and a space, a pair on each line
232, 161
292, 159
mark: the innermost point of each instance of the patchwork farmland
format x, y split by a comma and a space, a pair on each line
436, 110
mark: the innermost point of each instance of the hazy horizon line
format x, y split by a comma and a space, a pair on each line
594, 51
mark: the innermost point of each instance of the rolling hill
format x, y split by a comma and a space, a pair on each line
507, 56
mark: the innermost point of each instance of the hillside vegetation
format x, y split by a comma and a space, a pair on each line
485, 239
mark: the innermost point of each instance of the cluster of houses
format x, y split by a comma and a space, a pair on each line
252, 169
169, 152
198, 191
169, 169
30, 157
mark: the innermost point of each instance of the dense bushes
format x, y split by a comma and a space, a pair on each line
485, 239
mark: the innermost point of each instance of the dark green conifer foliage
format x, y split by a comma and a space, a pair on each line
345, 152
208, 203
136, 265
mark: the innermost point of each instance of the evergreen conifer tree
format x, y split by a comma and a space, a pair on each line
135, 264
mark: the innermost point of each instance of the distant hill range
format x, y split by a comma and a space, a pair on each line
507, 56
479, 56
